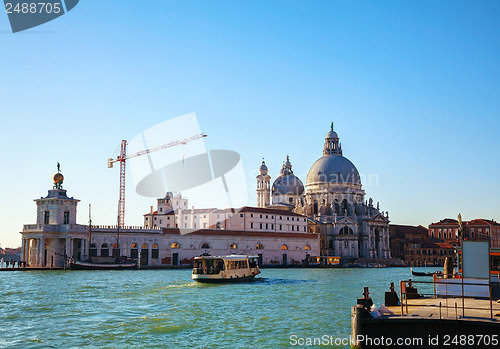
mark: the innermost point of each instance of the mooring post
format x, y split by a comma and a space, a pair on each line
356, 325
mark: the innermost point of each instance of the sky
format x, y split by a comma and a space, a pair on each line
412, 88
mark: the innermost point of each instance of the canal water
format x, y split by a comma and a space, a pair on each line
165, 309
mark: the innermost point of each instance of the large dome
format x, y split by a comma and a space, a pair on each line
333, 169
288, 185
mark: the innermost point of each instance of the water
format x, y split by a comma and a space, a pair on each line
164, 308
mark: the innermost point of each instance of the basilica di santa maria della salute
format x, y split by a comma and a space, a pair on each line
334, 202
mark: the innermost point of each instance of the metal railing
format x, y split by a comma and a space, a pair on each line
404, 295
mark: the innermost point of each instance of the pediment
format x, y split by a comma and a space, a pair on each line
380, 219
345, 221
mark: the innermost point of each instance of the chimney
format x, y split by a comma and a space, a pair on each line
151, 209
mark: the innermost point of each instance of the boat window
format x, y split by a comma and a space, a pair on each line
284, 247
175, 245
220, 264
253, 262
233, 246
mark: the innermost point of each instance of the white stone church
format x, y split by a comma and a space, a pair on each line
334, 201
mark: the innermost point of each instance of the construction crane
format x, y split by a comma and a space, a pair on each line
123, 157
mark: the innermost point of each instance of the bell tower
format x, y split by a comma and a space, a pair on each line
263, 186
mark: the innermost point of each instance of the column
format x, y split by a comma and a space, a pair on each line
27, 252
42, 252
68, 247
37, 250
23, 248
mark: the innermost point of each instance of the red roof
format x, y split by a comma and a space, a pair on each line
244, 209
177, 231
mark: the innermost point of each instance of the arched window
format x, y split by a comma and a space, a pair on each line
134, 252
175, 245
307, 248
93, 250
233, 246
104, 250
116, 250
205, 246
259, 247
346, 231
284, 247
144, 245
155, 251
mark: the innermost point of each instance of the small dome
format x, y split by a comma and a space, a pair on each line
333, 169
263, 168
288, 185
332, 134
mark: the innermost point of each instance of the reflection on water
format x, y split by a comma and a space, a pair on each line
165, 308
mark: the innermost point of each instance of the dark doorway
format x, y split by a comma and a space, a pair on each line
144, 256
260, 259
285, 259
175, 258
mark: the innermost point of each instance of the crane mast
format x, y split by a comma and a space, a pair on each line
122, 159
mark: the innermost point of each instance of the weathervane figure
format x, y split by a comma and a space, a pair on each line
58, 178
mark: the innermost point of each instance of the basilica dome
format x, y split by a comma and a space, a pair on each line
333, 169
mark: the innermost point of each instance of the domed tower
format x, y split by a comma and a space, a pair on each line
263, 186
333, 180
287, 188
56, 207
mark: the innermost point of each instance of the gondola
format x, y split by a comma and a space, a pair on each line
421, 273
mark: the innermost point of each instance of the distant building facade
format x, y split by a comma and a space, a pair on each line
170, 214
415, 247
334, 201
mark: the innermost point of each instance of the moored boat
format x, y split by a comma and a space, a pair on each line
232, 268
81, 265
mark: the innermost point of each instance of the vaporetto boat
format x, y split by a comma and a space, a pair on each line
232, 268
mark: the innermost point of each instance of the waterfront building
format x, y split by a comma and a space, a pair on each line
277, 237
334, 202
476, 229
415, 247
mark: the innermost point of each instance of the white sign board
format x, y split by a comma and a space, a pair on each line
476, 259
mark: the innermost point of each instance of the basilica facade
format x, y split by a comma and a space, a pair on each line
334, 202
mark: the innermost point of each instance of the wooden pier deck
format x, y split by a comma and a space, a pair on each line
474, 308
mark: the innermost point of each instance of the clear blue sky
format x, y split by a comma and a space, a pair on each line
412, 86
